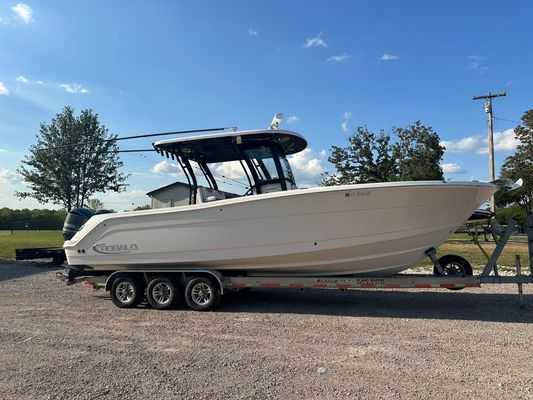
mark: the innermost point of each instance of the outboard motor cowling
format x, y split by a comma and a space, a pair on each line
76, 218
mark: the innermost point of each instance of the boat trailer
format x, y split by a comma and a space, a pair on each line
204, 287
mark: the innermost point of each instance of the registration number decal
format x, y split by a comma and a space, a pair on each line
359, 193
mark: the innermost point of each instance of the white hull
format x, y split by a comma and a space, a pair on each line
371, 229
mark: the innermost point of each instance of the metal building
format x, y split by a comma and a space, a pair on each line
173, 195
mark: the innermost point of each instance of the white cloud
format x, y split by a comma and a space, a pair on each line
22, 79
346, 117
469, 143
293, 119
3, 151
452, 168
73, 88
252, 32
477, 64
503, 141
389, 57
23, 11
317, 41
231, 170
129, 194
307, 167
7, 176
339, 58
3, 90
165, 167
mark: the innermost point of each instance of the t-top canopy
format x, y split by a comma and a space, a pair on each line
220, 147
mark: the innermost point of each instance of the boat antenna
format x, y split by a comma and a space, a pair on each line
276, 121
117, 138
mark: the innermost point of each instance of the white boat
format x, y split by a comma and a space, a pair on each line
371, 229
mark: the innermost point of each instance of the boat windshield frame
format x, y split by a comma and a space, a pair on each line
255, 169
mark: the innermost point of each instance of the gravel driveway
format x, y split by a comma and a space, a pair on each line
59, 342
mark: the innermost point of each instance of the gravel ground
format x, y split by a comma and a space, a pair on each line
59, 342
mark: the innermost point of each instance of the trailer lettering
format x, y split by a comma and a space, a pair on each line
352, 281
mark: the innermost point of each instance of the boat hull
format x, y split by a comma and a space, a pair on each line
372, 229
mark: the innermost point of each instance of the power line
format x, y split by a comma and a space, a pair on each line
508, 120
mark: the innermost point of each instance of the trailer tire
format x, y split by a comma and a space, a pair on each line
202, 294
162, 293
454, 266
126, 292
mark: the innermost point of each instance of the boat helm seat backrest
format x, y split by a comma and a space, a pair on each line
273, 185
206, 195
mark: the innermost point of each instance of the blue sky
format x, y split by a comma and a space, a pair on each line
328, 66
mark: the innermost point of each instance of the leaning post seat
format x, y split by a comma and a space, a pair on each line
206, 195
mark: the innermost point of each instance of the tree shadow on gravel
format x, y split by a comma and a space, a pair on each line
17, 269
445, 305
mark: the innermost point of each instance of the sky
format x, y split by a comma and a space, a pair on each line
156, 66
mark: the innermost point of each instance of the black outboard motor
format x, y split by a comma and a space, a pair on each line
75, 220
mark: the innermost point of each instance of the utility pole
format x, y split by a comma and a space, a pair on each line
488, 109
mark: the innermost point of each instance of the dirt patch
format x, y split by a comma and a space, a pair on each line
59, 342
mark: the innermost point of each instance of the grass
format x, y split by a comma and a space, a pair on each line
23, 239
466, 236
476, 258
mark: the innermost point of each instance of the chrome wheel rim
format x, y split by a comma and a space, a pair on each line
454, 269
201, 293
125, 292
161, 293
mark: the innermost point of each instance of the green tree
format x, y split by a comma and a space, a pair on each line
369, 158
145, 207
74, 157
520, 165
418, 153
95, 204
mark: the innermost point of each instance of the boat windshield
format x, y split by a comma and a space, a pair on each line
263, 161
287, 171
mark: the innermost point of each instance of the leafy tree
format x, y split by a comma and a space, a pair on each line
74, 158
504, 214
95, 204
145, 207
520, 165
34, 219
369, 158
418, 153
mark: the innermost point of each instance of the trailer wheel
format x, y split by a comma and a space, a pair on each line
126, 292
202, 294
454, 266
162, 293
